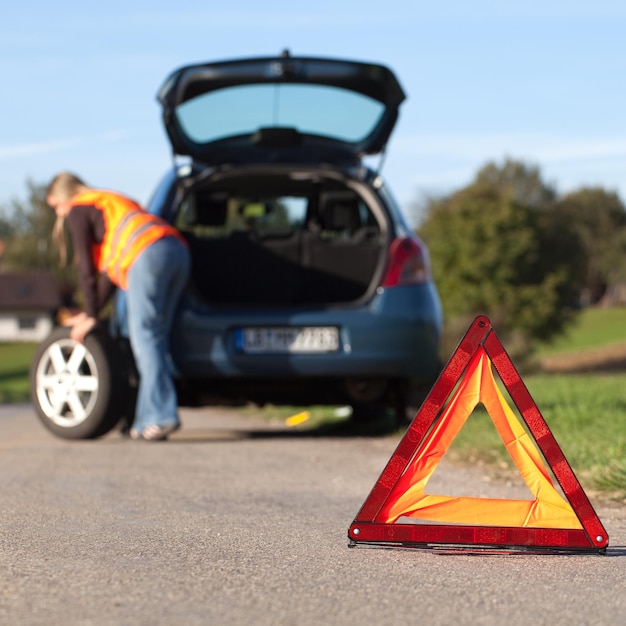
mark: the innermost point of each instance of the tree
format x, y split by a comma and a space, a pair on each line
520, 180
5, 228
28, 245
494, 252
599, 218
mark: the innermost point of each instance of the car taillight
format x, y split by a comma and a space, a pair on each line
407, 263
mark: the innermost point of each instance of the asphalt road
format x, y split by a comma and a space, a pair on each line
239, 522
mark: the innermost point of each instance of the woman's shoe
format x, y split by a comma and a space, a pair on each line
154, 432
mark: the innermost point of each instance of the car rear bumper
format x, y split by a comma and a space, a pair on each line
394, 335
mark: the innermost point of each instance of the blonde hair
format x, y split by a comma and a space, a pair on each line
64, 186
58, 238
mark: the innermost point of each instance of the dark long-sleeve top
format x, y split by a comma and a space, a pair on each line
86, 226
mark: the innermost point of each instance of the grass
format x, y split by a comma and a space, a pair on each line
587, 416
594, 328
586, 412
15, 360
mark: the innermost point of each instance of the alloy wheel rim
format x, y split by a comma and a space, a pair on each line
67, 383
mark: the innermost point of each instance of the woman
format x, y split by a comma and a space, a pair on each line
121, 245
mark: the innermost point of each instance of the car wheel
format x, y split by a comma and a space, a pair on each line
368, 412
78, 390
411, 402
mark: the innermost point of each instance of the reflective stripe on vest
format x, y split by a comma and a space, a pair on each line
123, 250
128, 230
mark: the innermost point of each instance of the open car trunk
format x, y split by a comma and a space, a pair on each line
282, 240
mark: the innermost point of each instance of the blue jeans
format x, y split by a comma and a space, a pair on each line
155, 283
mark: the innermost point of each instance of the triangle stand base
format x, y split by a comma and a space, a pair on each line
475, 540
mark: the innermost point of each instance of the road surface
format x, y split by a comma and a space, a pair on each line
236, 521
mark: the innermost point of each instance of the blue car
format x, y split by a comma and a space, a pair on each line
308, 286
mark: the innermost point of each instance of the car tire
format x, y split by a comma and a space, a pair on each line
411, 403
368, 412
78, 390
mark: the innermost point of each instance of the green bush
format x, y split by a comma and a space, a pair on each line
515, 263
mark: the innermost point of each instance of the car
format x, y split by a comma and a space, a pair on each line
308, 286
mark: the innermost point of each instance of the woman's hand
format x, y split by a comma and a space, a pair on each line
71, 317
81, 325
66, 315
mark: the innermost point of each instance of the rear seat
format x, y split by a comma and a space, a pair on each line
337, 270
339, 255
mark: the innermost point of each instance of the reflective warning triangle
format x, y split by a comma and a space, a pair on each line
399, 513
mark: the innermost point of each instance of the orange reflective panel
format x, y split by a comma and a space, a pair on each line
548, 509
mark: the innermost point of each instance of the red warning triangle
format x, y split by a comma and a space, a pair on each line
398, 512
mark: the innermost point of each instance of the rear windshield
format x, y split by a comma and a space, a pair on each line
310, 109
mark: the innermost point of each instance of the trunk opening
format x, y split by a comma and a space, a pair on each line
276, 241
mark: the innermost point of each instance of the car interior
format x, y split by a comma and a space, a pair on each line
313, 245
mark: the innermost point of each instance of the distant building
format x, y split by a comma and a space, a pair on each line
29, 302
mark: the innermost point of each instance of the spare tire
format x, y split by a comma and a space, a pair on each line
78, 390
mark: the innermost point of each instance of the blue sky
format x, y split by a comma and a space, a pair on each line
540, 81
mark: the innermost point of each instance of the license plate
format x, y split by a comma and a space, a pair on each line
289, 339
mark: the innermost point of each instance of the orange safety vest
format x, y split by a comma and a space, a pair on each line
128, 230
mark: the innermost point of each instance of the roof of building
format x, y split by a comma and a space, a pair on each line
29, 291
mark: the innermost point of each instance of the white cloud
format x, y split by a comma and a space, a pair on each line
33, 148
539, 147
438, 163
28, 149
